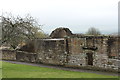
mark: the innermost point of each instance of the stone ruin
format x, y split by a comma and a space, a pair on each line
72, 50
60, 33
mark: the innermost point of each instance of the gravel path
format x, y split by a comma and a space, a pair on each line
63, 68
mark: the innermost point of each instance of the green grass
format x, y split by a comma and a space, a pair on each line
26, 71
0, 69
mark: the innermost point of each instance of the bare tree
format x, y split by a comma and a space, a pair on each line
93, 31
17, 29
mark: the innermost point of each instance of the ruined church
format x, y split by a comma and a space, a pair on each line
72, 50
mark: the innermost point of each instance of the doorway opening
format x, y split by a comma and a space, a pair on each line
89, 58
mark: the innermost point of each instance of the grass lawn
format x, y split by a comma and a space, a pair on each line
26, 71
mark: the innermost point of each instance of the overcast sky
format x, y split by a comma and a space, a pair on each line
78, 15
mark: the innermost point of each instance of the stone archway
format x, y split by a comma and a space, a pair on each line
60, 33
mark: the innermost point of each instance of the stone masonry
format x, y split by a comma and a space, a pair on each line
72, 50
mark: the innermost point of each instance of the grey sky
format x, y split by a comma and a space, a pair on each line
78, 15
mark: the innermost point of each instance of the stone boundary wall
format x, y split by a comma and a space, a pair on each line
8, 54
34, 58
26, 56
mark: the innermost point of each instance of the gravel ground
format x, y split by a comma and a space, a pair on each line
64, 68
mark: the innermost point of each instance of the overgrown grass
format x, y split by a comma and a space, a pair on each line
11, 70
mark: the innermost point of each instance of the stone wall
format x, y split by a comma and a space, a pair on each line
112, 47
8, 54
98, 47
76, 55
70, 50
26, 56
87, 52
51, 51
76, 60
